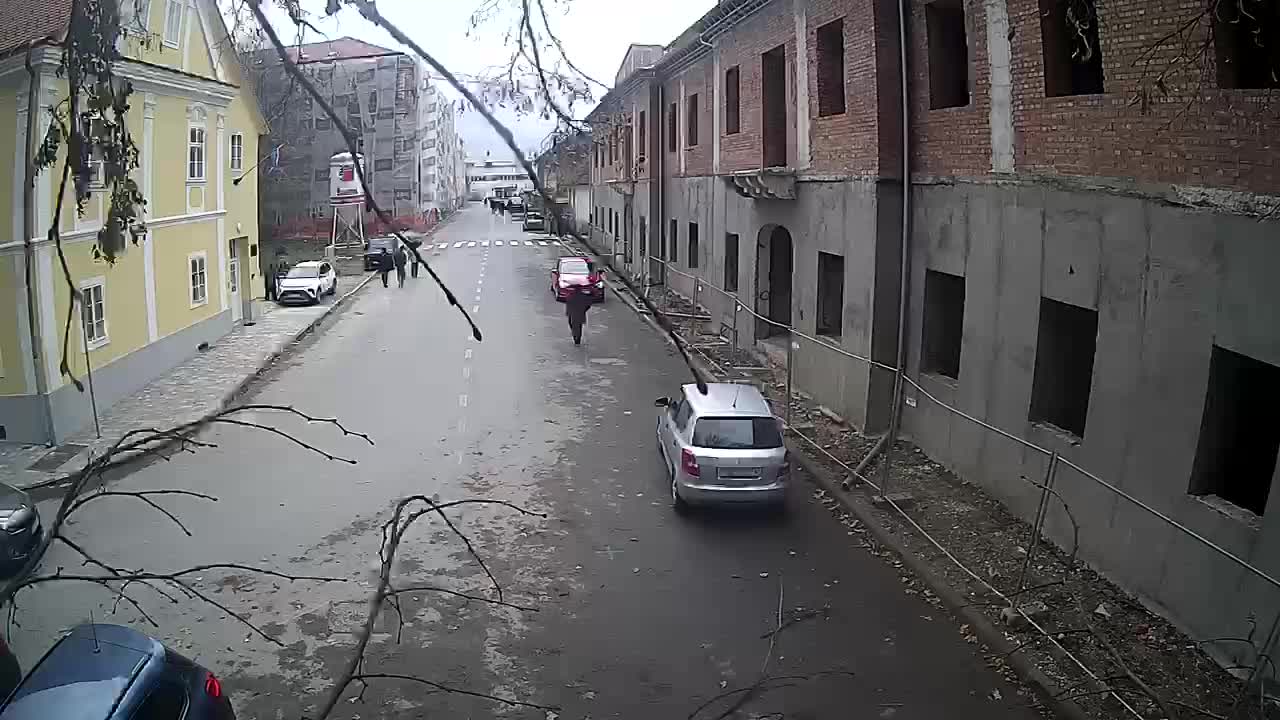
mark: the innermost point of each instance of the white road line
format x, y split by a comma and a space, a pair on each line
498, 243
528, 242
543, 243
471, 244
457, 244
485, 243
467, 354
475, 309
442, 246
466, 373
480, 280
462, 400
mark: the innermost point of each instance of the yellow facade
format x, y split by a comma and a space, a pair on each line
147, 295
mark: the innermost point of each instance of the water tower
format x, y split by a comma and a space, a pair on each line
348, 199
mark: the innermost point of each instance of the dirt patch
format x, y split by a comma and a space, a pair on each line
1145, 662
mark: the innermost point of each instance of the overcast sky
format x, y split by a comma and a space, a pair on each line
595, 33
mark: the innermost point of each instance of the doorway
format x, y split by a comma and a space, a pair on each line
774, 265
233, 279
773, 107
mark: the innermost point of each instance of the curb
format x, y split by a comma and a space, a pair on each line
988, 633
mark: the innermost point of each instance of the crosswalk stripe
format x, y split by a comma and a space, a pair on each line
528, 242
498, 243
471, 244
457, 244
543, 243
485, 243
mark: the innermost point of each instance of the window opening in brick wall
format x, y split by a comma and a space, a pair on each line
948, 54
830, 39
731, 262
773, 107
830, 294
643, 137
943, 323
672, 119
1239, 438
732, 103
694, 253
672, 239
1246, 38
691, 118
660, 243
1235, 456
1065, 347
644, 237
1070, 43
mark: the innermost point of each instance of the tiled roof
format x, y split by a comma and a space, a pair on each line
31, 20
343, 48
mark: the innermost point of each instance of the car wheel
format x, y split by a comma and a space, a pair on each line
678, 503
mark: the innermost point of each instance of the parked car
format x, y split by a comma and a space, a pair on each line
515, 208
20, 529
373, 248
722, 447
307, 282
572, 272
533, 220
111, 672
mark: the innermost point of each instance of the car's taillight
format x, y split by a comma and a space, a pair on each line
689, 463
212, 686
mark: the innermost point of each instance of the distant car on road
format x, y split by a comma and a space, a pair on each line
722, 447
571, 273
20, 529
533, 220
111, 672
307, 282
515, 208
374, 248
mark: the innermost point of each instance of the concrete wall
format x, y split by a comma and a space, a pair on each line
1167, 284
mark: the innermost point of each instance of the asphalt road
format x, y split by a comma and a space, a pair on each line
639, 613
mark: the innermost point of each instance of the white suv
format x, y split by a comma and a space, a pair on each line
307, 282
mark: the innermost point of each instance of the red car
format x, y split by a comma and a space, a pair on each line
576, 274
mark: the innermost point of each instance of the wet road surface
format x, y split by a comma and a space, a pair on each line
640, 613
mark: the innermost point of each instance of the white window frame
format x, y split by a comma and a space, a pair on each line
237, 151
203, 272
168, 11
86, 303
202, 146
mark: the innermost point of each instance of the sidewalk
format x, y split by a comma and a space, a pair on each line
205, 383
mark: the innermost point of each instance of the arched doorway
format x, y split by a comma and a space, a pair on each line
774, 265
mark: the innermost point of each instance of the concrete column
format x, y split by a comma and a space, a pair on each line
803, 159
148, 247
717, 90
20, 266
999, 60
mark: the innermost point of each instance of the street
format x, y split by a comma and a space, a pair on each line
640, 613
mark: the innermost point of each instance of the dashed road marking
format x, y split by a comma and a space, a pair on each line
498, 243
457, 244
528, 242
485, 243
466, 372
543, 243
471, 244
467, 354
462, 400
475, 309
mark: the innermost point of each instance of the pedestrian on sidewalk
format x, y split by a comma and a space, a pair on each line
413, 257
385, 265
269, 281
400, 259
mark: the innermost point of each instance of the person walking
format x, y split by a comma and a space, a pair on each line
413, 257
575, 308
269, 281
385, 265
400, 259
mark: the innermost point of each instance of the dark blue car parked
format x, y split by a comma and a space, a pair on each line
110, 672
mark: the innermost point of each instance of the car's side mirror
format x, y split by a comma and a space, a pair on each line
662, 402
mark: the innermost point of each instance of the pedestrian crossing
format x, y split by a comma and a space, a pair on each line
548, 242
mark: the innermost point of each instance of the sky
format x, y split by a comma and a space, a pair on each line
595, 35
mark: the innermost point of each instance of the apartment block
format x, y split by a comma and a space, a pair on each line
1087, 230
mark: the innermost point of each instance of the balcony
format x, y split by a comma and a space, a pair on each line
764, 184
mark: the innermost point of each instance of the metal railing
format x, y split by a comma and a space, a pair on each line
657, 274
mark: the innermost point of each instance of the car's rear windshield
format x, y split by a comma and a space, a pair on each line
575, 267
76, 682
737, 433
304, 272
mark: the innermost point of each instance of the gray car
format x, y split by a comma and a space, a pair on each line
722, 447
20, 529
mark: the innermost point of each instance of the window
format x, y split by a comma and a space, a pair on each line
382, 164
1063, 376
737, 433
1247, 44
321, 175
195, 154
732, 103
672, 119
199, 278
830, 294
237, 151
773, 106
693, 245
92, 126
691, 110
1072, 53
643, 136
948, 54
682, 414
135, 16
943, 323
93, 312
322, 123
173, 21
731, 262
673, 239
830, 41
1239, 438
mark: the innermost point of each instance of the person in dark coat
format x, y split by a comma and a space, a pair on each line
401, 258
413, 257
269, 281
385, 265
575, 308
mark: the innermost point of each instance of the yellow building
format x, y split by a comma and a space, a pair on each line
193, 277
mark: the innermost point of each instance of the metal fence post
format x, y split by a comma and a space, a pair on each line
1042, 512
791, 355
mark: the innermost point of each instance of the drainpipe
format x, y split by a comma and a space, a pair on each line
905, 264
28, 249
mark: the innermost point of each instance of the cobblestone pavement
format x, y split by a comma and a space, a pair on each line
190, 390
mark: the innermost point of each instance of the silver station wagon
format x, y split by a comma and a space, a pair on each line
722, 447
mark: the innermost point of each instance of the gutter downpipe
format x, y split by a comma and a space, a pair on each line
905, 264
28, 249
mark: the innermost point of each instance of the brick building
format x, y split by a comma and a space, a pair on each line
1088, 257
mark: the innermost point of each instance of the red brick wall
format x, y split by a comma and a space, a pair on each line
847, 143
1200, 134
953, 141
696, 79
742, 46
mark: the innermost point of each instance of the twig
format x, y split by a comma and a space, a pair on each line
466, 596
144, 496
510, 702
